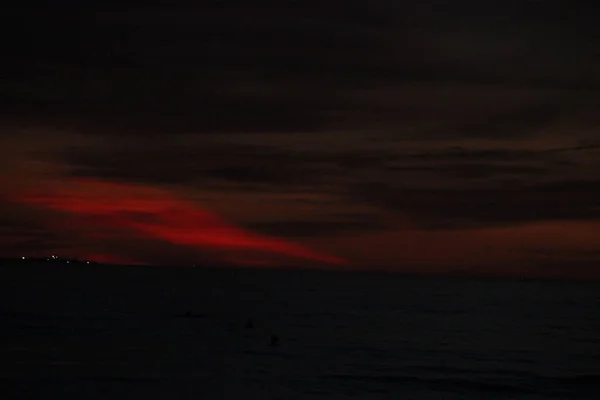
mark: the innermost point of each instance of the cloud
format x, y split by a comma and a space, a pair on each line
475, 170
559, 262
465, 187
462, 154
253, 174
109, 212
192, 69
518, 164
352, 225
150, 163
446, 208
513, 123
202, 164
141, 71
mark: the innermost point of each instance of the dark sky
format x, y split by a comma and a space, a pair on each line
429, 136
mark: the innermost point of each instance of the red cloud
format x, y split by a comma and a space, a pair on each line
141, 212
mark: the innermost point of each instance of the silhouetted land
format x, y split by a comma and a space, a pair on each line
51, 260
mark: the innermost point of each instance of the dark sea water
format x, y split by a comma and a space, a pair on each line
121, 333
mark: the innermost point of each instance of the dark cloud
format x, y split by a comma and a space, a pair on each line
351, 225
585, 147
24, 231
181, 70
254, 174
558, 262
174, 164
475, 208
475, 170
462, 154
516, 167
287, 67
564, 254
513, 123
449, 115
135, 163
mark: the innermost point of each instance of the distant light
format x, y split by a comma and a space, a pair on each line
67, 262
88, 262
22, 258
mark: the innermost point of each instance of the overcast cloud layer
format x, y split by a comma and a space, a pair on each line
315, 123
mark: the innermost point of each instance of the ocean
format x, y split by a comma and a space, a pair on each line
107, 332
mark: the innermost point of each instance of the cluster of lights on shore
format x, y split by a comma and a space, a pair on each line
52, 257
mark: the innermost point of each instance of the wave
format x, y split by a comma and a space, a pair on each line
121, 379
523, 385
56, 380
28, 316
437, 383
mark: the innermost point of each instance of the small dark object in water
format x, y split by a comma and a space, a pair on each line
249, 324
188, 314
274, 340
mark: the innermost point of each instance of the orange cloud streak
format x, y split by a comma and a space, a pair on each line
151, 213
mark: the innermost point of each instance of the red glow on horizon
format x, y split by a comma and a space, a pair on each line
112, 259
250, 262
121, 210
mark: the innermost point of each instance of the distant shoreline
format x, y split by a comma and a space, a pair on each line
42, 263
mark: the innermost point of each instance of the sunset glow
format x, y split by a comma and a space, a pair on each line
141, 212
429, 138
